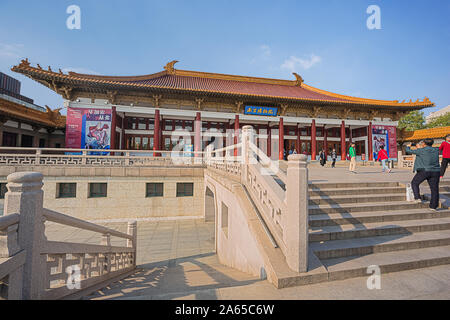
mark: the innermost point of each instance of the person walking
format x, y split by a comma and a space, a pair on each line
322, 158
352, 154
445, 148
427, 168
383, 156
333, 158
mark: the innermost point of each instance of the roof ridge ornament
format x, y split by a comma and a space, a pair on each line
24, 63
169, 67
299, 79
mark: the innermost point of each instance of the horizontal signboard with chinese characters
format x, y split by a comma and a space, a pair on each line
261, 111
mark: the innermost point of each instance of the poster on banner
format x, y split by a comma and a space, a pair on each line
384, 136
88, 129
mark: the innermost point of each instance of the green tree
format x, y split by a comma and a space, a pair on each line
414, 120
441, 121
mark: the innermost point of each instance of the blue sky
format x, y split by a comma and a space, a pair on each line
326, 41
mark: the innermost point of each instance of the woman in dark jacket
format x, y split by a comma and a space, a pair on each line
322, 158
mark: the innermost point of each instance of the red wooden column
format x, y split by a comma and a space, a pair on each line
236, 133
113, 129
198, 132
369, 137
281, 140
325, 140
269, 141
156, 133
123, 133
313, 140
298, 141
343, 147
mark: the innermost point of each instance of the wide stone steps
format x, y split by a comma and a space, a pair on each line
358, 191
357, 266
357, 225
364, 207
347, 185
350, 231
330, 200
336, 219
378, 244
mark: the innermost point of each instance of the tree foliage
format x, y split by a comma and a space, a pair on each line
441, 121
414, 120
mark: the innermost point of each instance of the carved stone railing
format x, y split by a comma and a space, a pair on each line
11, 156
32, 267
407, 161
285, 212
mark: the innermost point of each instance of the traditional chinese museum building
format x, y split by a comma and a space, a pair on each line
142, 112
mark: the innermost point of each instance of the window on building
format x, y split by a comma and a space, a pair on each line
142, 124
224, 219
66, 190
168, 125
9, 139
42, 143
185, 189
154, 190
188, 125
27, 141
178, 125
97, 190
3, 190
133, 123
151, 124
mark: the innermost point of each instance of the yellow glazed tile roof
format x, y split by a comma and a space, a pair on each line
439, 132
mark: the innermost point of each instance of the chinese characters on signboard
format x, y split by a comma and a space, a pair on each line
261, 111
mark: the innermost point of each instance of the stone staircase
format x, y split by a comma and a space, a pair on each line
356, 225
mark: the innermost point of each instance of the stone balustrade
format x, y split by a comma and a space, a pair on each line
12, 156
32, 267
284, 210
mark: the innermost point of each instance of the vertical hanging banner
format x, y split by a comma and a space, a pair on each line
385, 136
88, 128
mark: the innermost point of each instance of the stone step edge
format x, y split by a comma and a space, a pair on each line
377, 231
432, 239
328, 276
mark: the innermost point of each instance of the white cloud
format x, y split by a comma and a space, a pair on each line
11, 51
293, 62
80, 70
264, 54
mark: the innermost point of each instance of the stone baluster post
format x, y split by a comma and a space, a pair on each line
296, 233
106, 241
84, 157
37, 160
25, 197
9, 246
132, 230
400, 159
247, 136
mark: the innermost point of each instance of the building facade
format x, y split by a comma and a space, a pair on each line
25, 124
175, 109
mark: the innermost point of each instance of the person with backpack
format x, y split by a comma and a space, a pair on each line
445, 148
383, 156
427, 168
